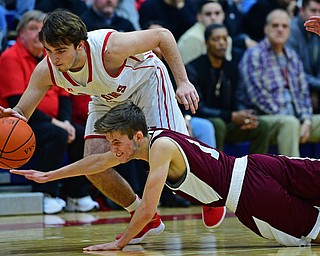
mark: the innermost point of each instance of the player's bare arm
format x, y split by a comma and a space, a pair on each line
313, 25
159, 169
89, 165
122, 45
39, 84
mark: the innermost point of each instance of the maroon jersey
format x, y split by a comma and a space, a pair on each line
274, 196
208, 170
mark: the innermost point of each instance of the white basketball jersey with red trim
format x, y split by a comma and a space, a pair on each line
135, 71
143, 79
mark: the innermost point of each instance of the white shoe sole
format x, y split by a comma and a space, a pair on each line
151, 232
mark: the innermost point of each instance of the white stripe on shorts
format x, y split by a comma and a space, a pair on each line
238, 172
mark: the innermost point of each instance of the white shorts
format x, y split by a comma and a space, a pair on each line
156, 99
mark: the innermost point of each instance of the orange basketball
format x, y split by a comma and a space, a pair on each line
17, 142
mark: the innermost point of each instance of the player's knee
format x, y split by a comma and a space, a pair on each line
95, 146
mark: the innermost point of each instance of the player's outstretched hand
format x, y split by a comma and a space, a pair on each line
313, 25
112, 246
37, 176
6, 112
188, 96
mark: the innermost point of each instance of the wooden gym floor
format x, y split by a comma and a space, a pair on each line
67, 233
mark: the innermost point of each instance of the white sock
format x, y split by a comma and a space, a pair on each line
132, 207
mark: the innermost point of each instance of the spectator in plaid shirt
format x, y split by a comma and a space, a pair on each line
274, 84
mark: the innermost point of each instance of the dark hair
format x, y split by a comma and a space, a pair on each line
153, 22
126, 118
212, 27
62, 27
204, 2
305, 3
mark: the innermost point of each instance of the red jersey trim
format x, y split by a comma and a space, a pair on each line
102, 57
136, 59
74, 83
51, 72
165, 97
89, 61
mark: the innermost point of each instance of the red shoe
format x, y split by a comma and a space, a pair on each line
212, 217
154, 227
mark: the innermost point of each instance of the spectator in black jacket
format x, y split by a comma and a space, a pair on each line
216, 81
74, 6
177, 16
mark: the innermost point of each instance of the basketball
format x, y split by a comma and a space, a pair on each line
17, 142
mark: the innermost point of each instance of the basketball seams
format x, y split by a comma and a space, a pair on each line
8, 137
8, 152
17, 141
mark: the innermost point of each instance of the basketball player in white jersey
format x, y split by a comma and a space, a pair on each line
277, 197
112, 67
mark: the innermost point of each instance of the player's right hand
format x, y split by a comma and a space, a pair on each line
187, 95
6, 112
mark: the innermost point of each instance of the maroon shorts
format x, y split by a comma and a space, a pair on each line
278, 198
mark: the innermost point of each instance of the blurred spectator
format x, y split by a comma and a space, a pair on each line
192, 44
102, 14
275, 86
51, 121
307, 45
255, 19
75, 6
234, 22
128, 9
15, 9
177, 16
216, 80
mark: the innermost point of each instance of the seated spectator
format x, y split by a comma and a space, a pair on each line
276, 88
177, 16
255, 19
15, 9
102, 14
51, 122
307, 45
216, 81
192, 44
